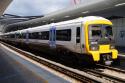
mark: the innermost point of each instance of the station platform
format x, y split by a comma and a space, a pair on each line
14, 69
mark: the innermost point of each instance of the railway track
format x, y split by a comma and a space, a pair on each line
96, 75
111, 68
112, 74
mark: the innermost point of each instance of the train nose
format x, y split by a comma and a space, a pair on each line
104, 48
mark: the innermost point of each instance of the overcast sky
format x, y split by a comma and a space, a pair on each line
36, 7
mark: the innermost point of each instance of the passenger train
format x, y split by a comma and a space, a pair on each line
90, 38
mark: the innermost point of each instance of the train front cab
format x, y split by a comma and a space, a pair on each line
99, 41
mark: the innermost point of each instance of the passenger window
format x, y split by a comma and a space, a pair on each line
45, 35
78, 35
63, 35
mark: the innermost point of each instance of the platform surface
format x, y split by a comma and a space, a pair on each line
12, 71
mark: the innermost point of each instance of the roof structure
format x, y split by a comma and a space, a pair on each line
7, 19
107, 8
3, 5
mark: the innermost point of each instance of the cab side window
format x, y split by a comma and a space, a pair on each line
78, 35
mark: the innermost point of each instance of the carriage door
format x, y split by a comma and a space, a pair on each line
78, 40
52, 37
27, 36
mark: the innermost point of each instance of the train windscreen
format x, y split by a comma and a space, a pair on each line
100, 34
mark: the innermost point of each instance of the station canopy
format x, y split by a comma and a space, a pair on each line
8, 19
111, 9
3, 5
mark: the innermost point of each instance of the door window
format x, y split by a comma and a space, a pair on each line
78, 35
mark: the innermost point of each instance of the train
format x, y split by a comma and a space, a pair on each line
87, 38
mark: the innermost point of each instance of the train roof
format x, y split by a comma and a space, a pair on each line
46, 27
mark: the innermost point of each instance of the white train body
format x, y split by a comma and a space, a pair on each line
71, 35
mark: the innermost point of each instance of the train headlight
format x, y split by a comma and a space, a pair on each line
112, 47
94, 47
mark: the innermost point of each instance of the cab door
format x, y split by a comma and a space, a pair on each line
52, 37
78, 40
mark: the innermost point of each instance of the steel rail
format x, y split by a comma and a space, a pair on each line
111, 68
111, 78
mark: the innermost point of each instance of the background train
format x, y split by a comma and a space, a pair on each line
87, 39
